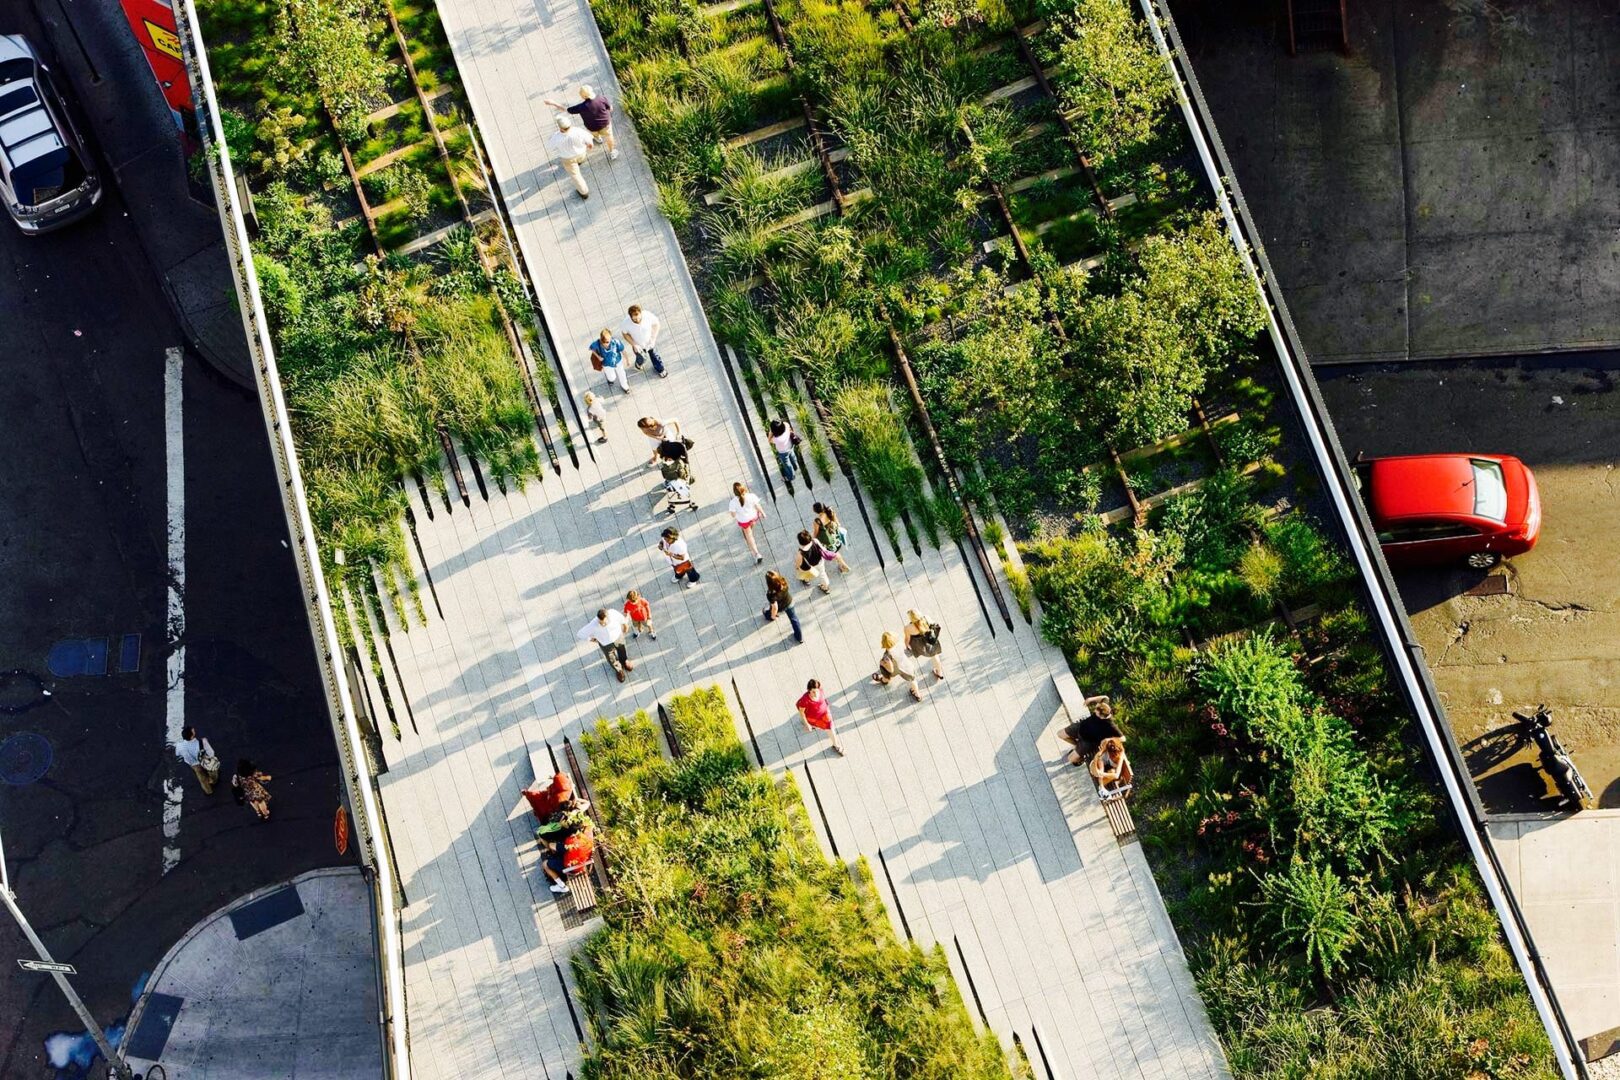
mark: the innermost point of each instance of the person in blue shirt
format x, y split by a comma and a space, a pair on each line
607, 355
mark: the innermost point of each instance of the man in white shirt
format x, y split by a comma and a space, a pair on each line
571, 144
196, 752
640, 331
608, 630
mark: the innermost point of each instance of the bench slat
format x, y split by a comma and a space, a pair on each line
582, 890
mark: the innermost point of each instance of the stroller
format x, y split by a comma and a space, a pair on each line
678, 480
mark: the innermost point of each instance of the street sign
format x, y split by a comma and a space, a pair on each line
40, 965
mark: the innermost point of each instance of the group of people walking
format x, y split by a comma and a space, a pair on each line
581, 126
247, 782
818, 546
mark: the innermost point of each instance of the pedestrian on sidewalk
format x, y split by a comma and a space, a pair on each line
571, 144
831, 536
640, 329
811, 560
658, 432
923, 640
195, 751
596, 113
680, 561
747, 511
248, 784
816, 713
783, 440
779, 601
639, 611
596, 415
608, 630
889, 668
607, 356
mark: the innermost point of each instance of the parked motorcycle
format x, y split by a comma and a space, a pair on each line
1555, 760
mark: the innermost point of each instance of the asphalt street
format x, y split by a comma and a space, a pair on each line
1554, 636
84, 333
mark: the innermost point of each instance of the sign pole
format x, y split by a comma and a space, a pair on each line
114, 1063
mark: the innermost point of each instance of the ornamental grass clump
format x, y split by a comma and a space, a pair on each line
731, 948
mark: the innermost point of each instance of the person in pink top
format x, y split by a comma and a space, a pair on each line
816, 713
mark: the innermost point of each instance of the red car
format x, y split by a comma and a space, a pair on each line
1440, 508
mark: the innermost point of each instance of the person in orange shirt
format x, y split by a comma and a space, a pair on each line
640, 614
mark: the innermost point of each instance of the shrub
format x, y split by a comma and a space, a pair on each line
1312, 911
1261, 570
1309, 561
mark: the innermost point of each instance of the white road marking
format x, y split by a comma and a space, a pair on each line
175, 630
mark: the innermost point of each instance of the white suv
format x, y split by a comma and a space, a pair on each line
46, 178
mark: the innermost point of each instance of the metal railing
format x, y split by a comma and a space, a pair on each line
1399, 642
363, 803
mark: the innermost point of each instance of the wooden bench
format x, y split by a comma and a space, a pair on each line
1119, 818
582, 889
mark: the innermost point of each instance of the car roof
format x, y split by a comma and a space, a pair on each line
28, 133
1423, 486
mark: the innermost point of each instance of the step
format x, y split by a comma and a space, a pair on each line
761, 134
716, 10
822, 209
1044, 227
422, 243
786, 171
390, 110
378, 164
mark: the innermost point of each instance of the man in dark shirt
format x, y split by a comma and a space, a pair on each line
1085, 735
596, 113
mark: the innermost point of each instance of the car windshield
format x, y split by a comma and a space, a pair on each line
45, 177
1490, 491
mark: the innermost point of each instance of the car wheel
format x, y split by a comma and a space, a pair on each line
1484, 560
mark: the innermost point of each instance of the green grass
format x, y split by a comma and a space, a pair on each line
731, 948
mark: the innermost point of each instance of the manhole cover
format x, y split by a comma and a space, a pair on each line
20, 691
24, 758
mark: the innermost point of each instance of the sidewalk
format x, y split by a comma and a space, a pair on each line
1565, 873
1047, 929
279, 985
134, 133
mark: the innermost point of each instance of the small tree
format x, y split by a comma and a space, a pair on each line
1197, 279
1111, 78
1139, 375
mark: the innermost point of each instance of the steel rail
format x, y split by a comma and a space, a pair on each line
359, 781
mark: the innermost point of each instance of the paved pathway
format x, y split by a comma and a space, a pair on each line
279, 985
1566, 875
1058, 929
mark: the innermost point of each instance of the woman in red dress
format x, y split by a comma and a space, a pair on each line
815, 712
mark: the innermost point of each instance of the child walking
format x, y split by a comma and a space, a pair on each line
596, 416
639, 612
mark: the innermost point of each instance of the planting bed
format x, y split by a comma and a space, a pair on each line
402, 331
732, 947
1001, 200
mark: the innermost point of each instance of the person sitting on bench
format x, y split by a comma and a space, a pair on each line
1112, 770
566, 847
1086, 735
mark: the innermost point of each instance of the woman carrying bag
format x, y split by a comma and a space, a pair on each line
923, 640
